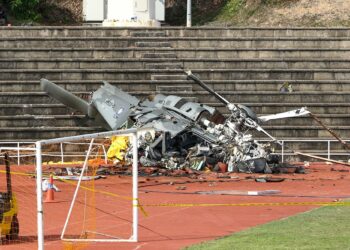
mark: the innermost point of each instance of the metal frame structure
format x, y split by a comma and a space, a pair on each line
40, 218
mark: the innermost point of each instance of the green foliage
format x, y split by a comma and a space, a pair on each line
25, 9
203, 11
238, 11
232, 7
201, 16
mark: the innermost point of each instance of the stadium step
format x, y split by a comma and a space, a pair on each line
83, 31
183, 53
189, 63
163, 66
41, 120
159, 55
231, 85
148, 34
178, 42
142, 74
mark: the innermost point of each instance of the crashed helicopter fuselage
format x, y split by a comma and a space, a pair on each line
182, 128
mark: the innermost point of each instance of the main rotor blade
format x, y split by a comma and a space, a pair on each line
64, 96
206, 87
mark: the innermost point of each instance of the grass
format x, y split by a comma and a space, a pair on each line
238, 12
232, 10
323, 228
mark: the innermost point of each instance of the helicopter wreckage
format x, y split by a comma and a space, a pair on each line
186, 134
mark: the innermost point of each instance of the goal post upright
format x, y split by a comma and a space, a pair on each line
135, 200
39, 196
133, 135
39, 192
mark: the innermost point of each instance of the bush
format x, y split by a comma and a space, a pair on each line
25, 9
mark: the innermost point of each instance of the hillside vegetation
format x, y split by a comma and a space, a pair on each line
311, 13
43, 12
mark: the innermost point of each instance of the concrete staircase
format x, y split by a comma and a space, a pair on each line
246, 65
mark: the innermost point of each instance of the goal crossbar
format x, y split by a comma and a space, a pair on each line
133, 133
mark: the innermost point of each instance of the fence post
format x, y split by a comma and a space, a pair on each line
62, 157
18, 155
329, 149
105, 153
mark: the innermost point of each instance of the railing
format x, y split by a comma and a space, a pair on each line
327, 152
284, 151
20, 147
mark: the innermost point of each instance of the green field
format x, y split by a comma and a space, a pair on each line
323, 228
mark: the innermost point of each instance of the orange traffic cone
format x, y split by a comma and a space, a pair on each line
50, 197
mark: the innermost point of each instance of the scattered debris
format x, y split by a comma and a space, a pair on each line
345, 145
118, 148
239, 192
184, 137
266, 178
286, 88
76, 178
323, 159
340, 170
46, 184
274, 179
260, 180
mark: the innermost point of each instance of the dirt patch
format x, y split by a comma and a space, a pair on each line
310, 13
61, 11
313, 13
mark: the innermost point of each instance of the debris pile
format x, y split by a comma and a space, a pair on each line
102, 172
180, 135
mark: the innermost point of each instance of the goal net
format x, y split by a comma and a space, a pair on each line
17, 202
94, 192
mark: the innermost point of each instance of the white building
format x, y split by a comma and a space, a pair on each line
124, 12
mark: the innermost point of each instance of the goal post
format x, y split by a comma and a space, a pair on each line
133, 135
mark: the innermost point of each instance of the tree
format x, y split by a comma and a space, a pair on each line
25, 9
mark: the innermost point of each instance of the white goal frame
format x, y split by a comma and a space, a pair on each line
133, 133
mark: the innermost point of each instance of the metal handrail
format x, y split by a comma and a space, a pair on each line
284, 152
21, 146
328, 153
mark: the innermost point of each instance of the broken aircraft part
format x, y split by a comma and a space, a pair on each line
183, 129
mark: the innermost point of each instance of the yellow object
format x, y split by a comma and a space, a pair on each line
118, 147
8, 217
9, 225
